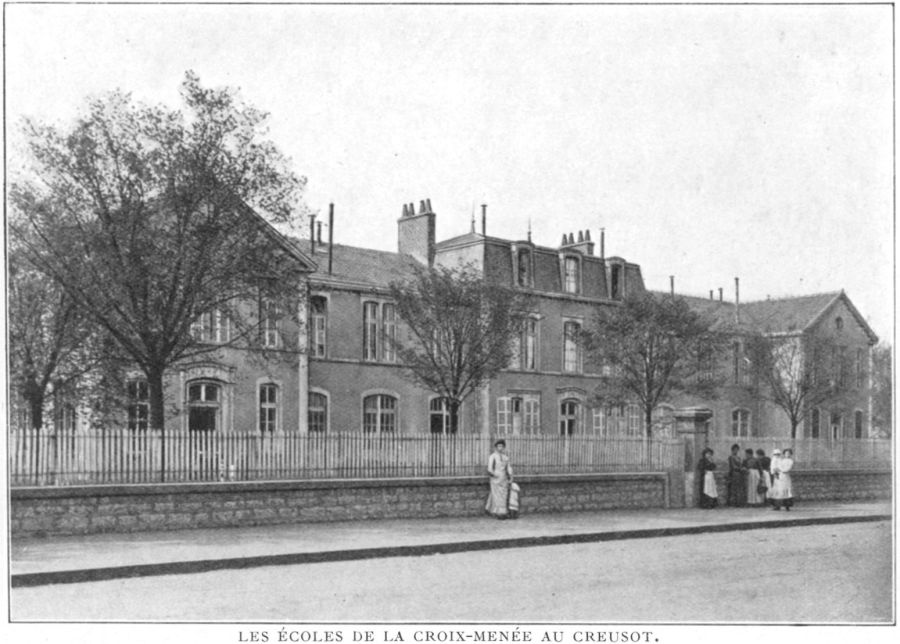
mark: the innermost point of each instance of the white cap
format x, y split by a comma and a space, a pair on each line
776, 452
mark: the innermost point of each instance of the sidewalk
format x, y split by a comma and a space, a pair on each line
37, 561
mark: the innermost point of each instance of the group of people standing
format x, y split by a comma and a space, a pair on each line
753, 479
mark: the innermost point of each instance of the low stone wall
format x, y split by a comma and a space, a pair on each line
127, 508
831, 485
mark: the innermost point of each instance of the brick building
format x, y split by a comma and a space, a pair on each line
348, 378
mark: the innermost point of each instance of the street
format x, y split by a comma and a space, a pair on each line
837, 573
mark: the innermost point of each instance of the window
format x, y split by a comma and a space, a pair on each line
318, 412
635, 420
524, 351
664, 420
318, 326
837, 426
860, 369
268, 408
740, 423
504, 415
270, 323
389, 328
842, 366
439, 417
204, 406
66, 418
616, 420
379, 414
523, 267
616, 287
138, 405
839, 324
213, 327
572, 347
598, 421
858, 424
379, 332
736, 358
814, 422
571, 275
532, 410
569, 413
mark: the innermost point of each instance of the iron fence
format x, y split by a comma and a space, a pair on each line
813, 453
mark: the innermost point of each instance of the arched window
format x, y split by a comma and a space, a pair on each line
268, 407
740, 423
440, 418
837, 426
569, 416
318, 412
204, 406
379, 413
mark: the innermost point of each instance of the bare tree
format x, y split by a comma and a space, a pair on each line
149, 221
461, 330
796, 373
651, 347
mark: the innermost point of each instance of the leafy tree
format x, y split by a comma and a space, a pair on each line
651, 347
882, 389
796, 373
48, 339
148, 220
461, 330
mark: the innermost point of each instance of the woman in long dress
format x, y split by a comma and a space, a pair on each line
782, 488
500, 471
734, 482
764, 476
709, 495
751, 466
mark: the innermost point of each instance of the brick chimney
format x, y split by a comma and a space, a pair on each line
583, 243
415, 232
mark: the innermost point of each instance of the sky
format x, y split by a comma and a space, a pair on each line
710, 142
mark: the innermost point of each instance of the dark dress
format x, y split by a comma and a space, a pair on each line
706, 501
737, 486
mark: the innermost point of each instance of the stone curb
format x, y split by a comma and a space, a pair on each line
236, 563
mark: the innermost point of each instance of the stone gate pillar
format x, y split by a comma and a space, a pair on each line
692, 424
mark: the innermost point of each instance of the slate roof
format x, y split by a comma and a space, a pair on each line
352, 265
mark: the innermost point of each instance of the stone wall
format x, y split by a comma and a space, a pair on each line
127, 508
831, 485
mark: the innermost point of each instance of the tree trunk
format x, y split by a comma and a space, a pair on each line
157, 412
648, 420
34, 397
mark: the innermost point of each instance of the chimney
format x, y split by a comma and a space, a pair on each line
415, 232
583, 245
484, 220
319, 232
721, 294
330, 236
737, 300
672, 285
711, 298
312, 234
603, 243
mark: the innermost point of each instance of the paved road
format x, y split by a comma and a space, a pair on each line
839, 573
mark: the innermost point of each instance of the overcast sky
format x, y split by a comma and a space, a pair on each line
709, 141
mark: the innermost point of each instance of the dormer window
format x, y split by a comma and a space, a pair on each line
571, 274
523, 267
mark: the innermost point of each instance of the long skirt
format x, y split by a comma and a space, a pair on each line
754, 497
736, 494
497, 499
782, 491
709, 495
767, 479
